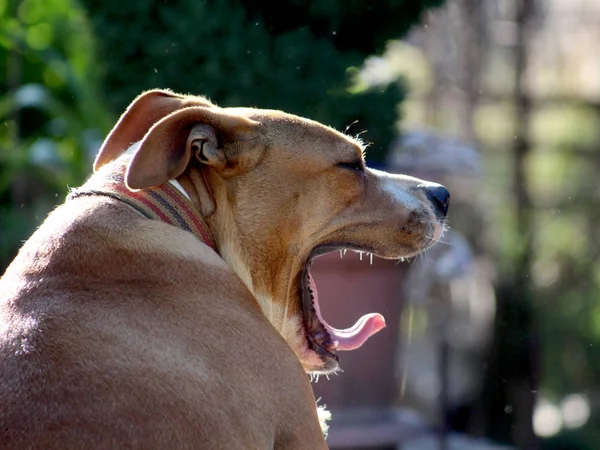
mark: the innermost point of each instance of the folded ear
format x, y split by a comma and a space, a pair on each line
140, 115
166, 150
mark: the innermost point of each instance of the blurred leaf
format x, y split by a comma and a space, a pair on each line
55, 107
289, 56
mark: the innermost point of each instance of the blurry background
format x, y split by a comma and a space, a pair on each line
493, 336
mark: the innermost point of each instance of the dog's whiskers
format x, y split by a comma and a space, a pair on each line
439, 240
436, 222
350, 125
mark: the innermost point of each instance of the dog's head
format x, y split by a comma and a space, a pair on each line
278, 190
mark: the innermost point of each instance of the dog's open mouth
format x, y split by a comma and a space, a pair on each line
324, 339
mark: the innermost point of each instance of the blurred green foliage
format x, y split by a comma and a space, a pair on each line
51, 113
565, 275
294, 56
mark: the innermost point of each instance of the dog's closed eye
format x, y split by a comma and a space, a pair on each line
357, 166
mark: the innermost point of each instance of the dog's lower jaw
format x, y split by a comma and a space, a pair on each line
292, 330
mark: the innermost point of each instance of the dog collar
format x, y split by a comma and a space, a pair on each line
165, 203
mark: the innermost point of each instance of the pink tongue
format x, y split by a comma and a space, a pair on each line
355, 336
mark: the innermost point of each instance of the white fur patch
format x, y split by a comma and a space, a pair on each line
393, 187
132, 149
179, 187
400, 195
399, 187
324, 417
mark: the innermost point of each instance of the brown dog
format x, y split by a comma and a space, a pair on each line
121, 331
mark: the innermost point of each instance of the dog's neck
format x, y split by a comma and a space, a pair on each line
229, 246
168, 203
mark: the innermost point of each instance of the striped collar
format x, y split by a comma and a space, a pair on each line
168, 202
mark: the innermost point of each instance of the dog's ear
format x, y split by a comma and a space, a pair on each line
166, 150
140, 115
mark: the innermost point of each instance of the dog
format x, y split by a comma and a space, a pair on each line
168, 302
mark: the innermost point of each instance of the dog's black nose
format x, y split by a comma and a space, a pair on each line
439, 196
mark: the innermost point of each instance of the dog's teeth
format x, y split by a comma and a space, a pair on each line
371, 257
360, 255
341, 254
345, 250
336, 344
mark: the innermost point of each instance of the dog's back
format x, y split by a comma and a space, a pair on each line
113, 332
